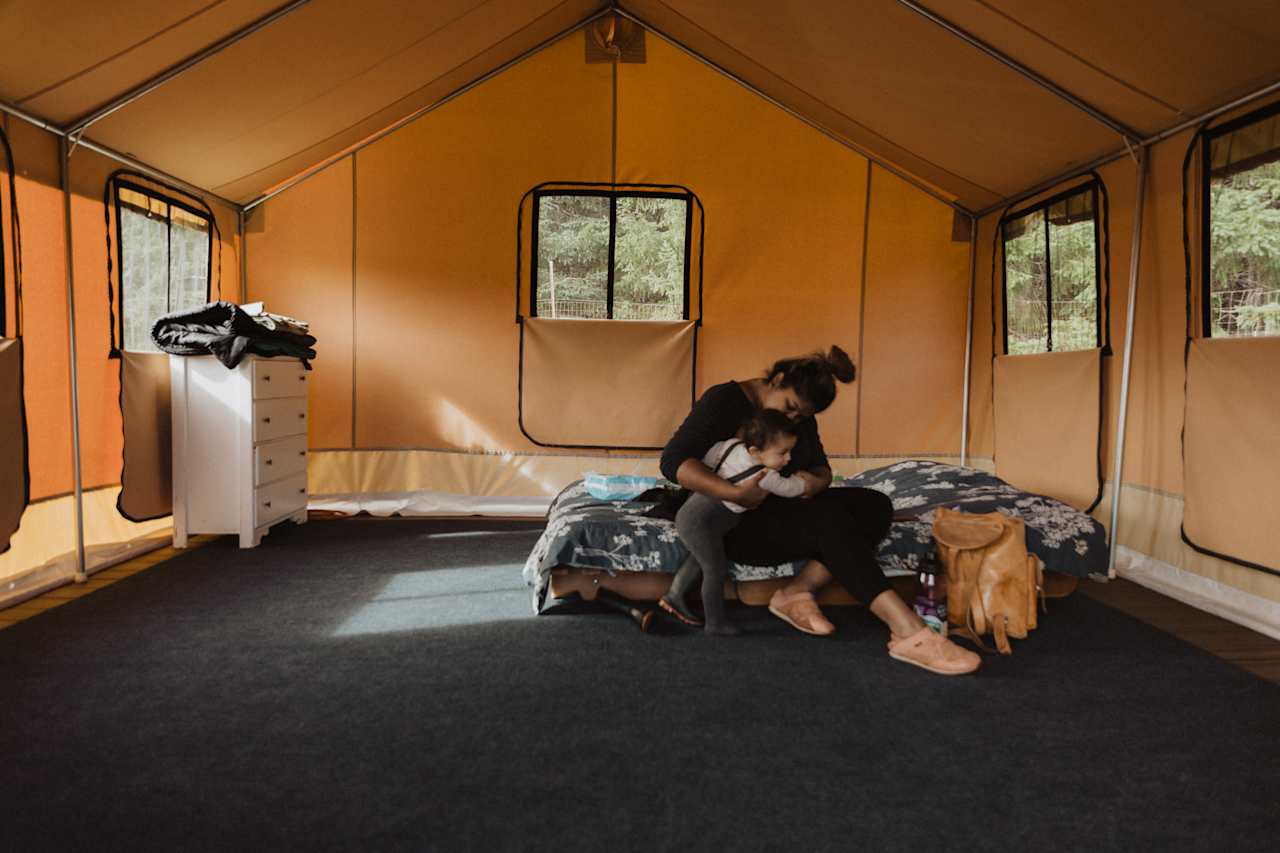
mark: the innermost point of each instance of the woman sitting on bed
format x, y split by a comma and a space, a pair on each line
837, 530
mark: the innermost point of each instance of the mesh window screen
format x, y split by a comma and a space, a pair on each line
1051, 276
1241, 290
164, 262
603, 255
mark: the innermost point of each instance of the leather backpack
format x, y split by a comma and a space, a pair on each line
992, 582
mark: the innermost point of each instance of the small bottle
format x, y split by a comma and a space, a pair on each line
931, 601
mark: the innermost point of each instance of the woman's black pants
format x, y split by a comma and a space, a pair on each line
840, 528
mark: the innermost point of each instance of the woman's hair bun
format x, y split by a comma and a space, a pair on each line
840, 364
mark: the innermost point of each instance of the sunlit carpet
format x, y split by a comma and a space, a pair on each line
369, 684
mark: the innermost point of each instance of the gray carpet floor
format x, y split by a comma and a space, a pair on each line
367, 684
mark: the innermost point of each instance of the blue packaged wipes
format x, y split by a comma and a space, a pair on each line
617, 487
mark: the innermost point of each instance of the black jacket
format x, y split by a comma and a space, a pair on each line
224, 330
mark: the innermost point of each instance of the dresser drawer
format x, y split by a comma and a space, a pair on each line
278, 459
275, 501
278, 378
274, 419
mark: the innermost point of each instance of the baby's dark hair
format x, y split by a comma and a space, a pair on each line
814, 376
764, 426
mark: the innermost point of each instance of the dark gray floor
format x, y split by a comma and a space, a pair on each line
381, 684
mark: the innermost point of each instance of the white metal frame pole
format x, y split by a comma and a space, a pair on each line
1135, 253
65, 151
968, 340
244, 258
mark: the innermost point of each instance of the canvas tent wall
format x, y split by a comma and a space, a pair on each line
866, 126
43, 550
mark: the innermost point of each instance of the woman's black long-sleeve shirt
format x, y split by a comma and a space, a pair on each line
718, 415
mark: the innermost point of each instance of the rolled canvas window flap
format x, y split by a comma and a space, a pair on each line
15, 481
605, 383
146, 487
1231, 450
1255, 144
1048, 424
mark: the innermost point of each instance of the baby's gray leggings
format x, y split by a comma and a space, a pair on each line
702, 524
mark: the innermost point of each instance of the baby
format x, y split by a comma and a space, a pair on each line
764, 442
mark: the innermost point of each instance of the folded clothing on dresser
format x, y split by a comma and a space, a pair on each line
226, 331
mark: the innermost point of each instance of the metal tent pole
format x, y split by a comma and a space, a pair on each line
796, 114
1134, 255
244, 258
422, 111
1032, 75
112, 154
1078, 171
65, 151
78, 126
968, 340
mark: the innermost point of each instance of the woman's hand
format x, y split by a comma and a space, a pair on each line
814, 482
695, 476
748, 493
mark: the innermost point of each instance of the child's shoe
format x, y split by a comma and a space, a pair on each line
678, 610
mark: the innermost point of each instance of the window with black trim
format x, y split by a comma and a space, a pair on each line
618, 255
165, 249
1051, 274
1240, 289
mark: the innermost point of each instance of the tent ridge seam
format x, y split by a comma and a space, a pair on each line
917, 182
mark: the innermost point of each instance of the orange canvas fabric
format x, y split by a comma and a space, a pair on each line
13, 441
605, 383
785, 222
913, 348
301, 257
1047, 419
1232, 452
47, 375
147, 478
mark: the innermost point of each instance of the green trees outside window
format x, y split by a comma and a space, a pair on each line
1051, 275
606, 255
164, 262
1241, 290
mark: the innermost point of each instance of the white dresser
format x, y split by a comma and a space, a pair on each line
239, 446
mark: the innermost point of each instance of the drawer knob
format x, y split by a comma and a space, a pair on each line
267, 378
266, 420
302, 453
301, 415
302, 379
267, 504
268, 461
302, 491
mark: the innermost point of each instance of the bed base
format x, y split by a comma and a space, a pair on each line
648, 586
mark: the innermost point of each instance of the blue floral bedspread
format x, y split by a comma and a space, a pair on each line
1065, 539
616, 536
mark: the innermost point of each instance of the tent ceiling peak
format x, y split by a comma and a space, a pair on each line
755, 90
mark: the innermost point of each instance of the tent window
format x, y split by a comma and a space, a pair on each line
611, 255
165, 249
1241, 281
1051, 275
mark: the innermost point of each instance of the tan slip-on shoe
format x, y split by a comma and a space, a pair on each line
929, 650
801, 612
